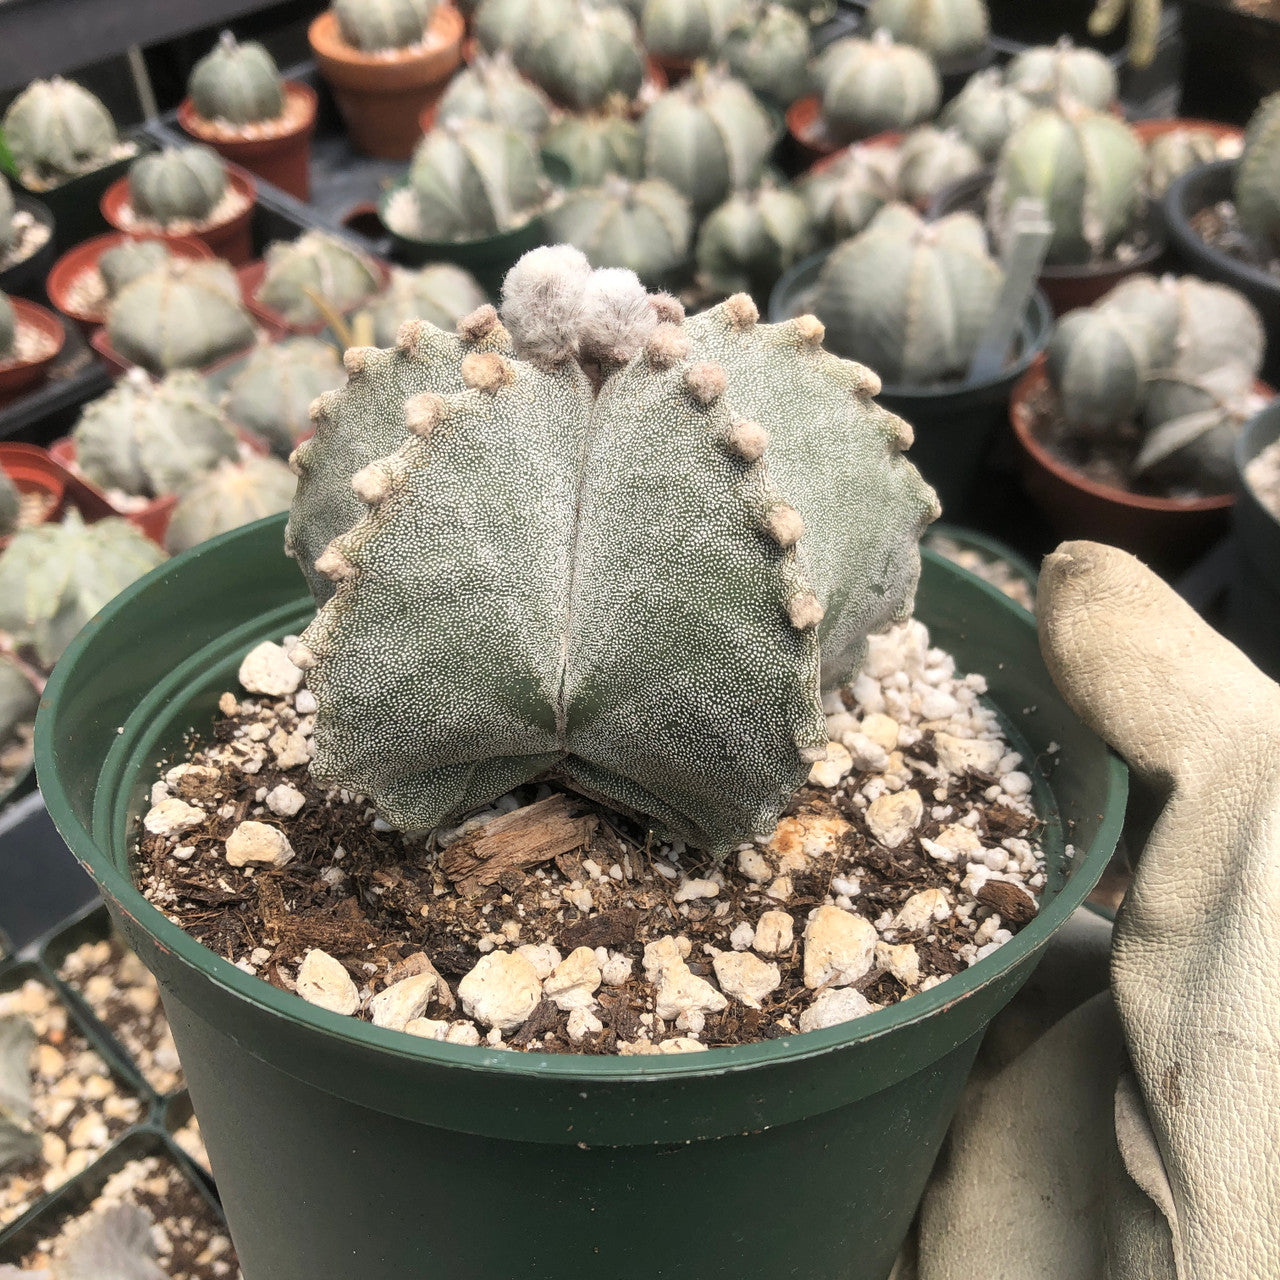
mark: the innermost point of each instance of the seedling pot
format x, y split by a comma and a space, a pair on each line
343, 1150
33, 471
27, 276
21, 375
1254, 600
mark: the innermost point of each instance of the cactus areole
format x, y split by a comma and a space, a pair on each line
598, 540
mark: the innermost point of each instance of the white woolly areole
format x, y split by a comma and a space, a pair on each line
542, 298
617, 316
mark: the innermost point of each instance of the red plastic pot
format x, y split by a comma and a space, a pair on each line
808, 133
34, 471
282, 158
251, 277
16, 376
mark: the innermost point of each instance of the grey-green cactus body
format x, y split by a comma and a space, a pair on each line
931, 159
749, 241
1099, 362
687, 29
492, 89
237, 83
18, 703
845, 193
125, 262
594, 146
517, 26
948, 30
272, 393
178, 184
590, 56
8, 328
20, 1141
320, 264
54, 130
1048, 73
768, 49
373, 26
10, 504
8, 232
440, 294
986, 111
230, 495
1258, 177
871, 86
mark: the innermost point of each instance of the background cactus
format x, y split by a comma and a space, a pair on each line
1048, 73
20, 1141
1258, 177
8, 328
645, 227
316, 263
749, 241
54, 130
930, 159
8, 232
238, 83
125, 262
18, 702
948, 30
587, 57
687, 29
178, 184
871, 86
986, 111
1170, 155
844, 193
55, 577
230, 495
272, 392
592, 147
767, 47
1086, 166
375, 25
909, 298
1155, 306
660, 512
517, 26
1099, 362
184, 315
440, 294
1144, 25
492, 89
707, 138
10, 504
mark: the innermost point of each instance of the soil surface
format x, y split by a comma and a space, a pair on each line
1219, 226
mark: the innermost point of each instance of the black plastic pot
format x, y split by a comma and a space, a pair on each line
1254, 599
1233, 60
954, 423
26, 278
1198, 189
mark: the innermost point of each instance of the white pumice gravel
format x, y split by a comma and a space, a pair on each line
323, 981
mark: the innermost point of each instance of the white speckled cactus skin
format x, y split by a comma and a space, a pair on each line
986, 111
126, 261
315, 263
687, 29
1048, 73
948, 30
237, 83
178, 184
10, 504
440, 293
375, 25
231, 495
708, 529
930, 159
272, 393
1171, 154
594, 146
845, 193
1099, 362
768, 48
909, 298
8, 233
492, 89
1258, 177
18, 703
749, 241
55, 129
588, 57
871, 86
1144, 25
8, 328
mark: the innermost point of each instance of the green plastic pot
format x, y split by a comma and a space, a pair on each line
1253, 604
345, 1150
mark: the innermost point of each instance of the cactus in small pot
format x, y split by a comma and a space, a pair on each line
375, 26
1099, 362
177, 185
320, 264
10, 504
947, 30
910, 298
593, 146
1048, 73
8, 328
844, 194
1258, 177
685, 30
873, 86
184, 315
55, 577
635, 486
517, 26
230, 495
1086, 166
272, 392
768, 48
492, 89
237, 83
125, 262
588, 57
146, 438
440, 294
986, 111
1170, 155
707, 138
746, 243
644, 226
930, 159
55, 130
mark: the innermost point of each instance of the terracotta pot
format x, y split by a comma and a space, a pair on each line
34, 471
1169, 532
282, 158
120, 365
232, 239
676, 70
808, 134
16, 377
381, 96
1149, 130
84, 257
251, 277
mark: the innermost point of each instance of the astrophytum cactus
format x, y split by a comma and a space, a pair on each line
947, 30
687, 29
1170, 155
492, 89
871, 86
1258, 177
593, 146
177, 185
1086, 166
844, 193
8, 328
930, 159
588, 57
517, 26
55, 577
272, 392
440, 294
237, 83
19, 1140
707, 138
467, 181
768, 48
8, 231
1048, 73
230, 495
1144, 25
986, 111
645, 227
1099, 362
317, 265
910, 298
184, 315
601, 541
373, 26
18, 702
10, 504
54, 130
125, 262
749, 241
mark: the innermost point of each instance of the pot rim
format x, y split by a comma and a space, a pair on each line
1266, 422
197, 125
445, 31
116, 196
48, 322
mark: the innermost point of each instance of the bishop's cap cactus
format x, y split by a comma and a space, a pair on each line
177, 185
440, 294
271, 394
686, 30
317, 265
1258, 177
125, 262
8, 329
492, 89
8, 231
230, 495
237, 83
1048, 73
768, 48
588, 57
986, 111
931, 159
1099, 362
845, 192
749, 241
373, 26
593, 146
1171, 154
870, 86
54, 130
19, 1141
947, 30
517, 27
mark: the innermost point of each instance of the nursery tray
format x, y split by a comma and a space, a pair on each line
48, 410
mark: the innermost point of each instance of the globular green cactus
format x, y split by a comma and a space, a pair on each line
231, 495
910, 298
1048, 73
872, 86
1258, 176
55, 577
931, 159
707, 138
237, 83
685, 493
8, 328
440, 294
373, 26
1086, 166
125, 262
986, 111
687, 29
467, 181
492, 89
1154, 305
184, 315
10, 504
589, 56
844, 193
178, 184
8, 232
749, 241
1099, 362
593, 146
517, 26
947, 30
768, 48
1144, 25
1216, 326
54, 130
272, 392
19, 1139
1170, 155
645, 227
18, 702
315, 265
